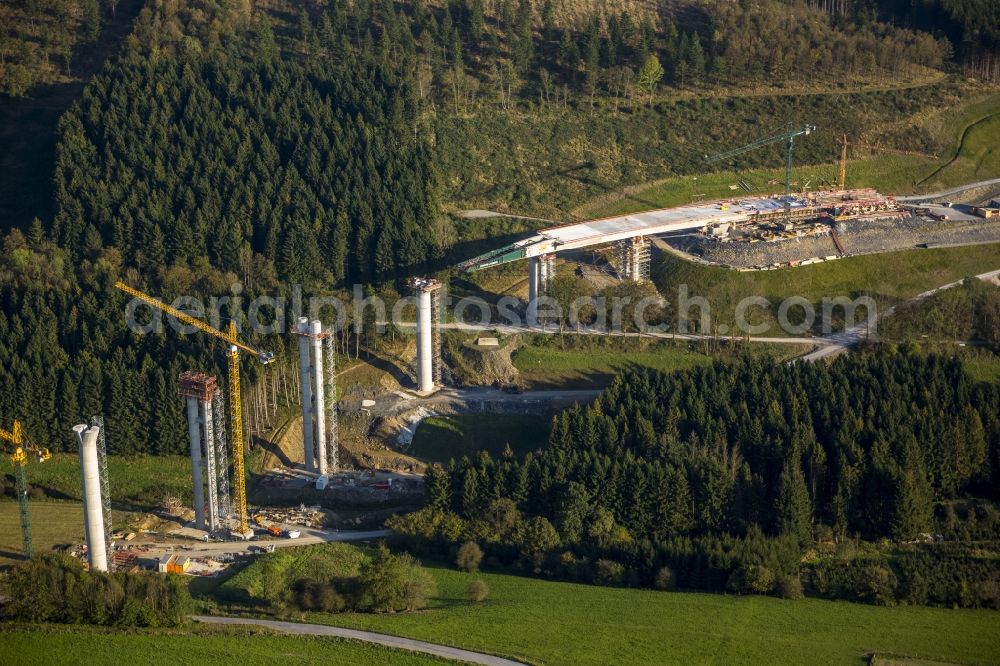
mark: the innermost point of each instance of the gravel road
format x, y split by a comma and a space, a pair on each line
444, 651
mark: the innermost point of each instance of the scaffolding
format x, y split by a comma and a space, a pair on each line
632, 258
547, 268
102, 466
210, 464
314, 378
204, 388
436, 335
330, 397
225, 504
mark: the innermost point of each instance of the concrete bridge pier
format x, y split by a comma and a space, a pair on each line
534, 268
428, 333
541, 272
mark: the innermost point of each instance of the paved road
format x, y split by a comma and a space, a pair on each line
309, 536
840, 341
917, 198
454, 654
473, 399
553, 329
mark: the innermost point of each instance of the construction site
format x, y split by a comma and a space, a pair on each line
758, 231
208, 535
304, 462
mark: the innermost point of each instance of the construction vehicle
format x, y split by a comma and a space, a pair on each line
22, 449
235, 401
271, 528
787, 133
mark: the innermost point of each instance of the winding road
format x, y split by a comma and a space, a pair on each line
309, 536
921, 198
444, 651
840, 341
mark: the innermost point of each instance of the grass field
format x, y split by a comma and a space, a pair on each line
50, 645
548, 366
984, 366
890, 173
971, 153
133, 479
564, 623
441, 438
52, 524
888, 278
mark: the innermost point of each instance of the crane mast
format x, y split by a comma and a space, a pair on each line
787, 133
20, 459
236, 426
235, 401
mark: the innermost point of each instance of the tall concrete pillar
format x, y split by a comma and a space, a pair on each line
425, 343
93, 509
316, 328
534, 268
306, 382
194, 438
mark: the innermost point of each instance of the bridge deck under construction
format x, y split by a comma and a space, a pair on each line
667, 220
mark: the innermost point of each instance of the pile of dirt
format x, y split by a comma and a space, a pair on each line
363, 447
476, 365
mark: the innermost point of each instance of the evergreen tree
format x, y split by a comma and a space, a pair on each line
695, 58
793, 514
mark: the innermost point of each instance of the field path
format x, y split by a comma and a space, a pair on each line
838, 342
455, 654
921, 198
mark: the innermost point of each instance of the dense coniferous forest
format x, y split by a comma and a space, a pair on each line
726, 474
261, 144
245, 153
576, 42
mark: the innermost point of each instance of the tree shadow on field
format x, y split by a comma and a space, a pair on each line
11, 555
574, 173
272, 448
390, 368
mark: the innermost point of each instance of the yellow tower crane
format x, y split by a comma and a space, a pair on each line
19, 457
235, 403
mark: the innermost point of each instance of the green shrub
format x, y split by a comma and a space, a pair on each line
790, 587
316, 595
56, 588
665, 579
877, 584
751, 579
470, 555
477, 591
393, 583
608, 572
